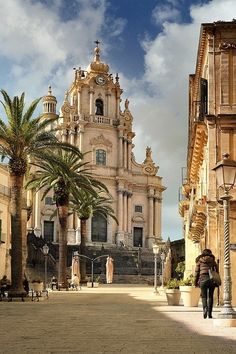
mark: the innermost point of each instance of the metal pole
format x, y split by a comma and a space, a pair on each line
162, 273
155, 274
227, 311
92, 272
45, 272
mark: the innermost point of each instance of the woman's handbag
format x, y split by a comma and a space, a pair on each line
215, 277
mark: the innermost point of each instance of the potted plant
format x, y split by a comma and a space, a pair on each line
172, 292
96, 281
189, 293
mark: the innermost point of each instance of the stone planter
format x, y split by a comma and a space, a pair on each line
173, 296
95, 284
190, 295
37, 287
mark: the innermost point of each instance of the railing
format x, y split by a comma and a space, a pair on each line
101, 120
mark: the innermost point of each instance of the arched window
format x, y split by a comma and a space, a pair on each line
99, 228
99, 107
100, 157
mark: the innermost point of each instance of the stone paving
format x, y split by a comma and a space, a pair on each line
109, 319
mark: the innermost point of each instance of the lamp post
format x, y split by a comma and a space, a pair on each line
155, 251
225, 178
45, 252
163, 256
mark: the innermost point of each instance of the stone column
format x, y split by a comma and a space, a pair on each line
150, 215
125, 210
81, 137
64, 135
129, 142
117, 106
129, 212
89, 230
79, 101
91, 101
37, 217
157, 221
120, 209
108, 94
72, 137
120, 149
125, 153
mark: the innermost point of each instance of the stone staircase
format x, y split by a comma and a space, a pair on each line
131, 266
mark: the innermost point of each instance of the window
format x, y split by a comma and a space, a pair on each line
99, 107
100, 157
48, 201
138, 209
138, 237
203, 99
99, 228
48, 231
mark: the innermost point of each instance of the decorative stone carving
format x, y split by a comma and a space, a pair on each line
227, 45
100, 140
148, 166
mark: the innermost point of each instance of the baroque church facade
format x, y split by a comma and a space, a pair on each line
92, 119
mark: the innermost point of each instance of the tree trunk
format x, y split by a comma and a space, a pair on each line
62, 268
83, 233
16, 236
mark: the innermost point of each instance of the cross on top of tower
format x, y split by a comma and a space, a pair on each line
97, 42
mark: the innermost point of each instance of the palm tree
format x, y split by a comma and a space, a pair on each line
63, 173
22, 137
85, 205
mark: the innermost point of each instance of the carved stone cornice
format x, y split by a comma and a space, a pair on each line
100, 140
197, 156
148, 166
227, 45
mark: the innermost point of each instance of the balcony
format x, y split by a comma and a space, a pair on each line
104, 120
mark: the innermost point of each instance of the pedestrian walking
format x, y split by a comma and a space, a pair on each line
204, 263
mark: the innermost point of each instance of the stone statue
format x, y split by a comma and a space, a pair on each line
75, 270
126, 104
109, 269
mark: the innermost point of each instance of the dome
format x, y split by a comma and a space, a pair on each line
49, 97
97, 66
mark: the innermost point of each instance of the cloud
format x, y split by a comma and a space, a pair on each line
43, 48
159, 102
41, 43
162, 13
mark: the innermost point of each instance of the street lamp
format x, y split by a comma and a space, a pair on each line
45, 252
155, 248
225, 178
163, 256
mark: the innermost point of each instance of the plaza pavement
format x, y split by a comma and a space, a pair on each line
109, 319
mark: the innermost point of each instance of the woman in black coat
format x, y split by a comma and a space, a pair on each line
204, 262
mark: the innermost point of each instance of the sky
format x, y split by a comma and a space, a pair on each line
152, 44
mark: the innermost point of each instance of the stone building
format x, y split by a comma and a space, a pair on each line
212, 132
91, 118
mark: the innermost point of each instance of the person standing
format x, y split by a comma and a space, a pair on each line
204, 263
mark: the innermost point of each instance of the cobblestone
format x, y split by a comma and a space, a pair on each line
109, 319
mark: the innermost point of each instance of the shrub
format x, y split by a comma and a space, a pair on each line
172, 284
188, 281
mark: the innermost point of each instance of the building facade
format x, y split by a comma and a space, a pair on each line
212, 132
92, 119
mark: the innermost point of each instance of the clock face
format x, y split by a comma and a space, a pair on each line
100, 80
